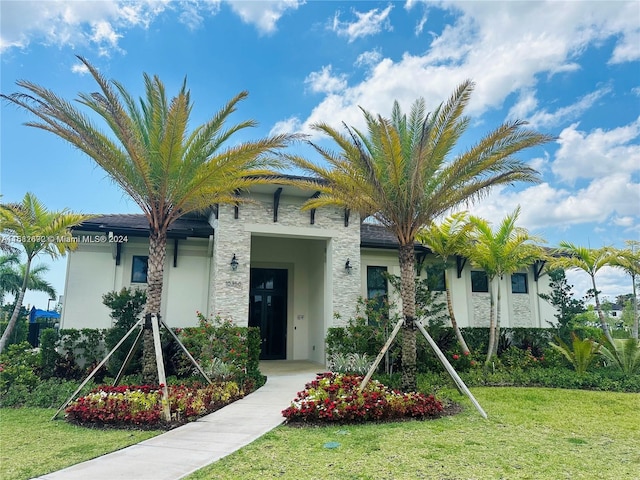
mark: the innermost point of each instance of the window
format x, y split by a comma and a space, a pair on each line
479, 281
377, 290
438, 284
139, 269
519, 283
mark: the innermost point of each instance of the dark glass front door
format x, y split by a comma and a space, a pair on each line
268, 310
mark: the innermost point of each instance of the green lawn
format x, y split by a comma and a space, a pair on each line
532, 433
32, 445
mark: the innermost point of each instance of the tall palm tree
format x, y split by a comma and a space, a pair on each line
589, 260
500, 252
403, 172
449, 238
11, 279
37, 230
150, 153
629, 260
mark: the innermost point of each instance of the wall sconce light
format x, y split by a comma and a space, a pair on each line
234, 263
348, 267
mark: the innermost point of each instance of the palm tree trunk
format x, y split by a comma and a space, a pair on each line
16, 309
603, 321
634, 328
454, 324
492, 324
408, 294
155, 273
497, 327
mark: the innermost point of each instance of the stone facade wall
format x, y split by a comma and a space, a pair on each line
521, 314
481, 309
230, 289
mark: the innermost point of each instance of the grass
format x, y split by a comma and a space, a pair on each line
32, 445
532, 433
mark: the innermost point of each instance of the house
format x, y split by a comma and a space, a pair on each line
269, 264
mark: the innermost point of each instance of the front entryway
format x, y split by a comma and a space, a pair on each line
268, 310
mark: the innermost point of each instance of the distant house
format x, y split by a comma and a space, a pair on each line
267, 263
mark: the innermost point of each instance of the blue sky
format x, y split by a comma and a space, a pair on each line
572, 69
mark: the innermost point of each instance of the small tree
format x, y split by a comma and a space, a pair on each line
449, 238
500, 252
629, 260
37, 230
590, 261
126, 307
561, 297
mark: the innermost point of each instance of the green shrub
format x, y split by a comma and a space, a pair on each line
49, 355
126, 307
18, 366
235, 346
623, 354
581, 353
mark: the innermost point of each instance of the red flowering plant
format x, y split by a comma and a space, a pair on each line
335, 397
141, 406
463, 361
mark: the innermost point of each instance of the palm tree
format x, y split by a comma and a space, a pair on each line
500, 252
150, 153
11, 278
590, 261
402, 172
629, 260
37, 230
449, 238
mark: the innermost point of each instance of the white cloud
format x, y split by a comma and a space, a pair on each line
569, 113
324, 82
368, 23
264, 14
102, 24
497, 49
73, 23
628, 49
544, 207
597, 154
289, 125
369, 58
80, 68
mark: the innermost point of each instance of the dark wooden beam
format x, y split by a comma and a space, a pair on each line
236, 207
313, 210
118, 252
460, 263
276, 203
175, 252
538, 266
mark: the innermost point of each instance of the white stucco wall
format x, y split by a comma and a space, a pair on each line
472, 308
92, 272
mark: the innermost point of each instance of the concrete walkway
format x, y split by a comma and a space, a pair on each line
182, 451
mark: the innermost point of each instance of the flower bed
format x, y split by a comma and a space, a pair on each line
334, 397
141, 406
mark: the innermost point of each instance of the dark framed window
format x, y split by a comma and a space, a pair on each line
437, 285
139, 269
479, 281
377, 290
519, 283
